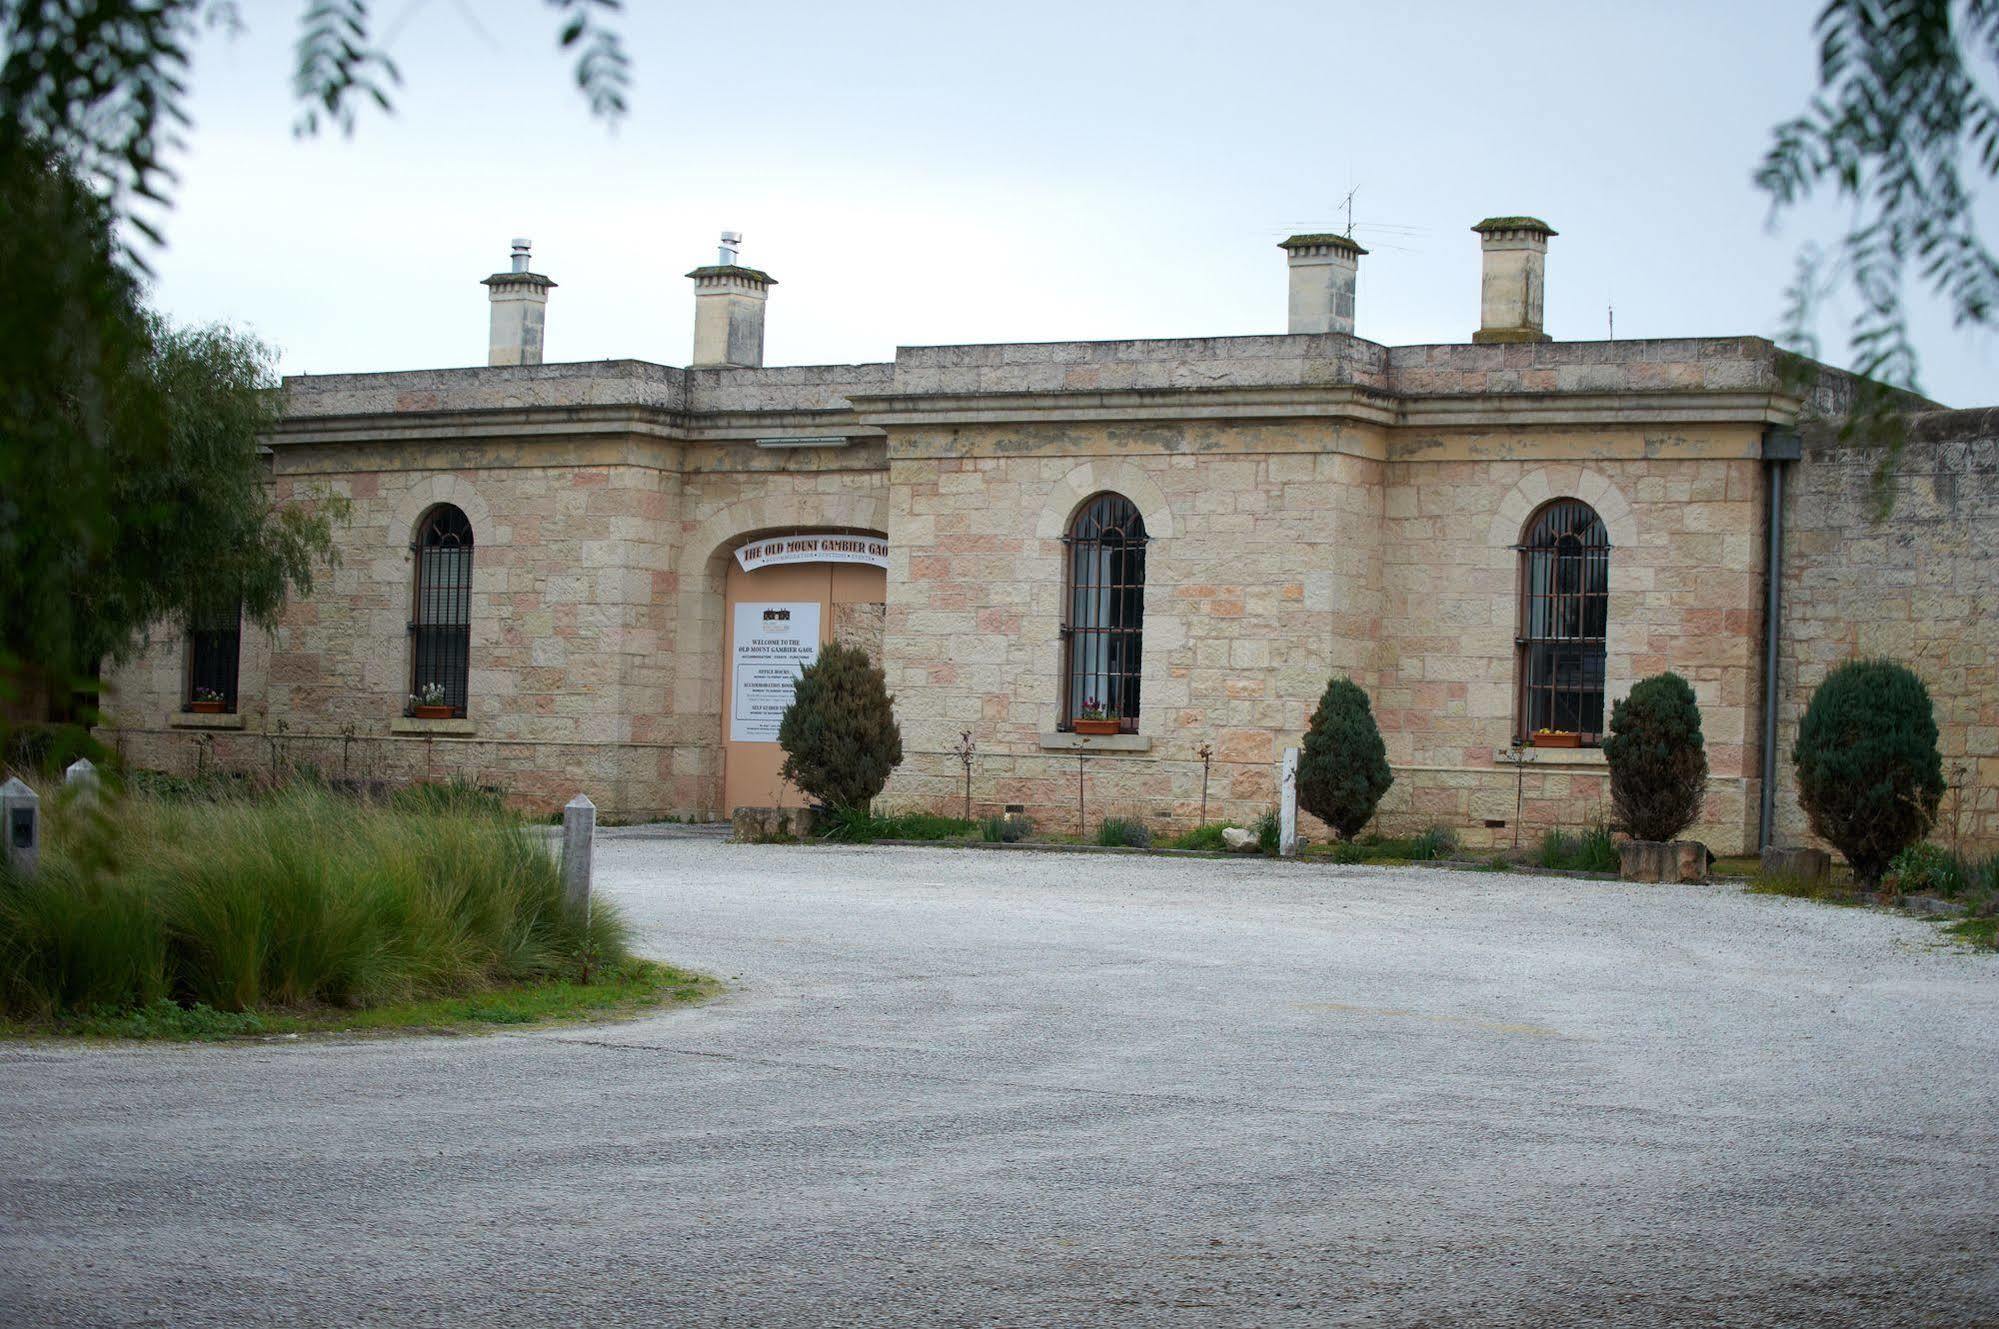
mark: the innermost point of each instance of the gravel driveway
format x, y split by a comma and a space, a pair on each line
957, 1088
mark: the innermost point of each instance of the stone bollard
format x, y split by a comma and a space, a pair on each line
1287, 805
21, 825
1802, 864
579, 835
81, 780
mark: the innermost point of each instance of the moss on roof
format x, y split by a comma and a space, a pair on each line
732, 270
1515, 224
1331, 238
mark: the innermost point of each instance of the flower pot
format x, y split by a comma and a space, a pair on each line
205, 707
1097, 726
1558, 740
431, 712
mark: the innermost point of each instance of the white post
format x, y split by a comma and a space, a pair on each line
81, 780
21, 826
1287, 805
579, 834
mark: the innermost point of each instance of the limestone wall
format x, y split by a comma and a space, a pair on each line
1920, 586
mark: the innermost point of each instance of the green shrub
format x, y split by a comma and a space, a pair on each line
1925, 868
42, 749
1594, 850
1658, 763
1201, 837
1869, 775
1343, 768
996, 829
1125, 832
839, 734
302, 898
1269, 830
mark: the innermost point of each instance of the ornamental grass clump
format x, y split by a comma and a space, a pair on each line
1657, 759
1343, 768
303, 898
839, 734
1869, 774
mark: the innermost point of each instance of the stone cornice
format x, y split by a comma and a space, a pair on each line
539, 422
1344, 402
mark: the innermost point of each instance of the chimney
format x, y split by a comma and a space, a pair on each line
519, 300
1323, 268
729, 311
1516, 265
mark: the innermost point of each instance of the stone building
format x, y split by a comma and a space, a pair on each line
605, 571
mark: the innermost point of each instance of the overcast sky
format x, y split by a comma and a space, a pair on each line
1024, 172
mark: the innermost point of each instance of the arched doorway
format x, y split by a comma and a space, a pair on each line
784, 597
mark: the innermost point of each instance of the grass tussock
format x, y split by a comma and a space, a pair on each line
1119, 832
1592, 850
303, 898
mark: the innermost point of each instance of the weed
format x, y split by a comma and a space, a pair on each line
851, 826
1201, 837
1269, 833
1594, 850
1005, 830
1125, 832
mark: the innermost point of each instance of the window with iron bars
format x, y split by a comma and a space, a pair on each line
441, 627
1104, 628
214, 651
1564, 621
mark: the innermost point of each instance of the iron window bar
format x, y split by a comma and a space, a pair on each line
214, 656
1563, 638
441, 627
1103, 628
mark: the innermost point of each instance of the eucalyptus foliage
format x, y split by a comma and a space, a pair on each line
1904, 129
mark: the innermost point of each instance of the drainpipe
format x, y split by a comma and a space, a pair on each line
1780, 446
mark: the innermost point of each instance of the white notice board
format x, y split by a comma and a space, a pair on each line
771, 644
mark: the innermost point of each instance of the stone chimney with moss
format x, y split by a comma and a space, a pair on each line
729, 311
519, 304
1323, 272
1516, 271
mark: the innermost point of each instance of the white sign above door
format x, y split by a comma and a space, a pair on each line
782, 549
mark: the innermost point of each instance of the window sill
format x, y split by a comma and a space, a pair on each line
199, 720
405, 724
1534, 756
1066, 742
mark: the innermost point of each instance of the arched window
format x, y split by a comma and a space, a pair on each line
441, 627
1103, 631
1564, 619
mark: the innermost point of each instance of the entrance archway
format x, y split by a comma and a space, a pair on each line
776, 614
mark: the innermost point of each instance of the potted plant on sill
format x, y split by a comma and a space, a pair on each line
428, 703
1094, 719
1557, 738
207, 701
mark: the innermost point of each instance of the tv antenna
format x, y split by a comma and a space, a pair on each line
1348, 205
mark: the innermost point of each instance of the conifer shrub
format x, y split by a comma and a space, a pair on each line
1869, 774
1343, 768
1658, 761
839, 734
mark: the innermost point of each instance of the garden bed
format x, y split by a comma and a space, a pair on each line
305, 911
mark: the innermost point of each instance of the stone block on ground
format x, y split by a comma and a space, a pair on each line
1802, 864
757, 825
1235, 837
1662, 861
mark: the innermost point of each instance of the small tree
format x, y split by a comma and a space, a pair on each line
1343, 769
1869, 775
1658, 763
839, 734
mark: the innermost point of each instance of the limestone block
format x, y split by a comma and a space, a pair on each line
1659, 861
1802, 864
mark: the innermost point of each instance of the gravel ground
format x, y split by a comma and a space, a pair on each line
956, 1088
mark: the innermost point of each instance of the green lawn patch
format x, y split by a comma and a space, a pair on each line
633, 988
